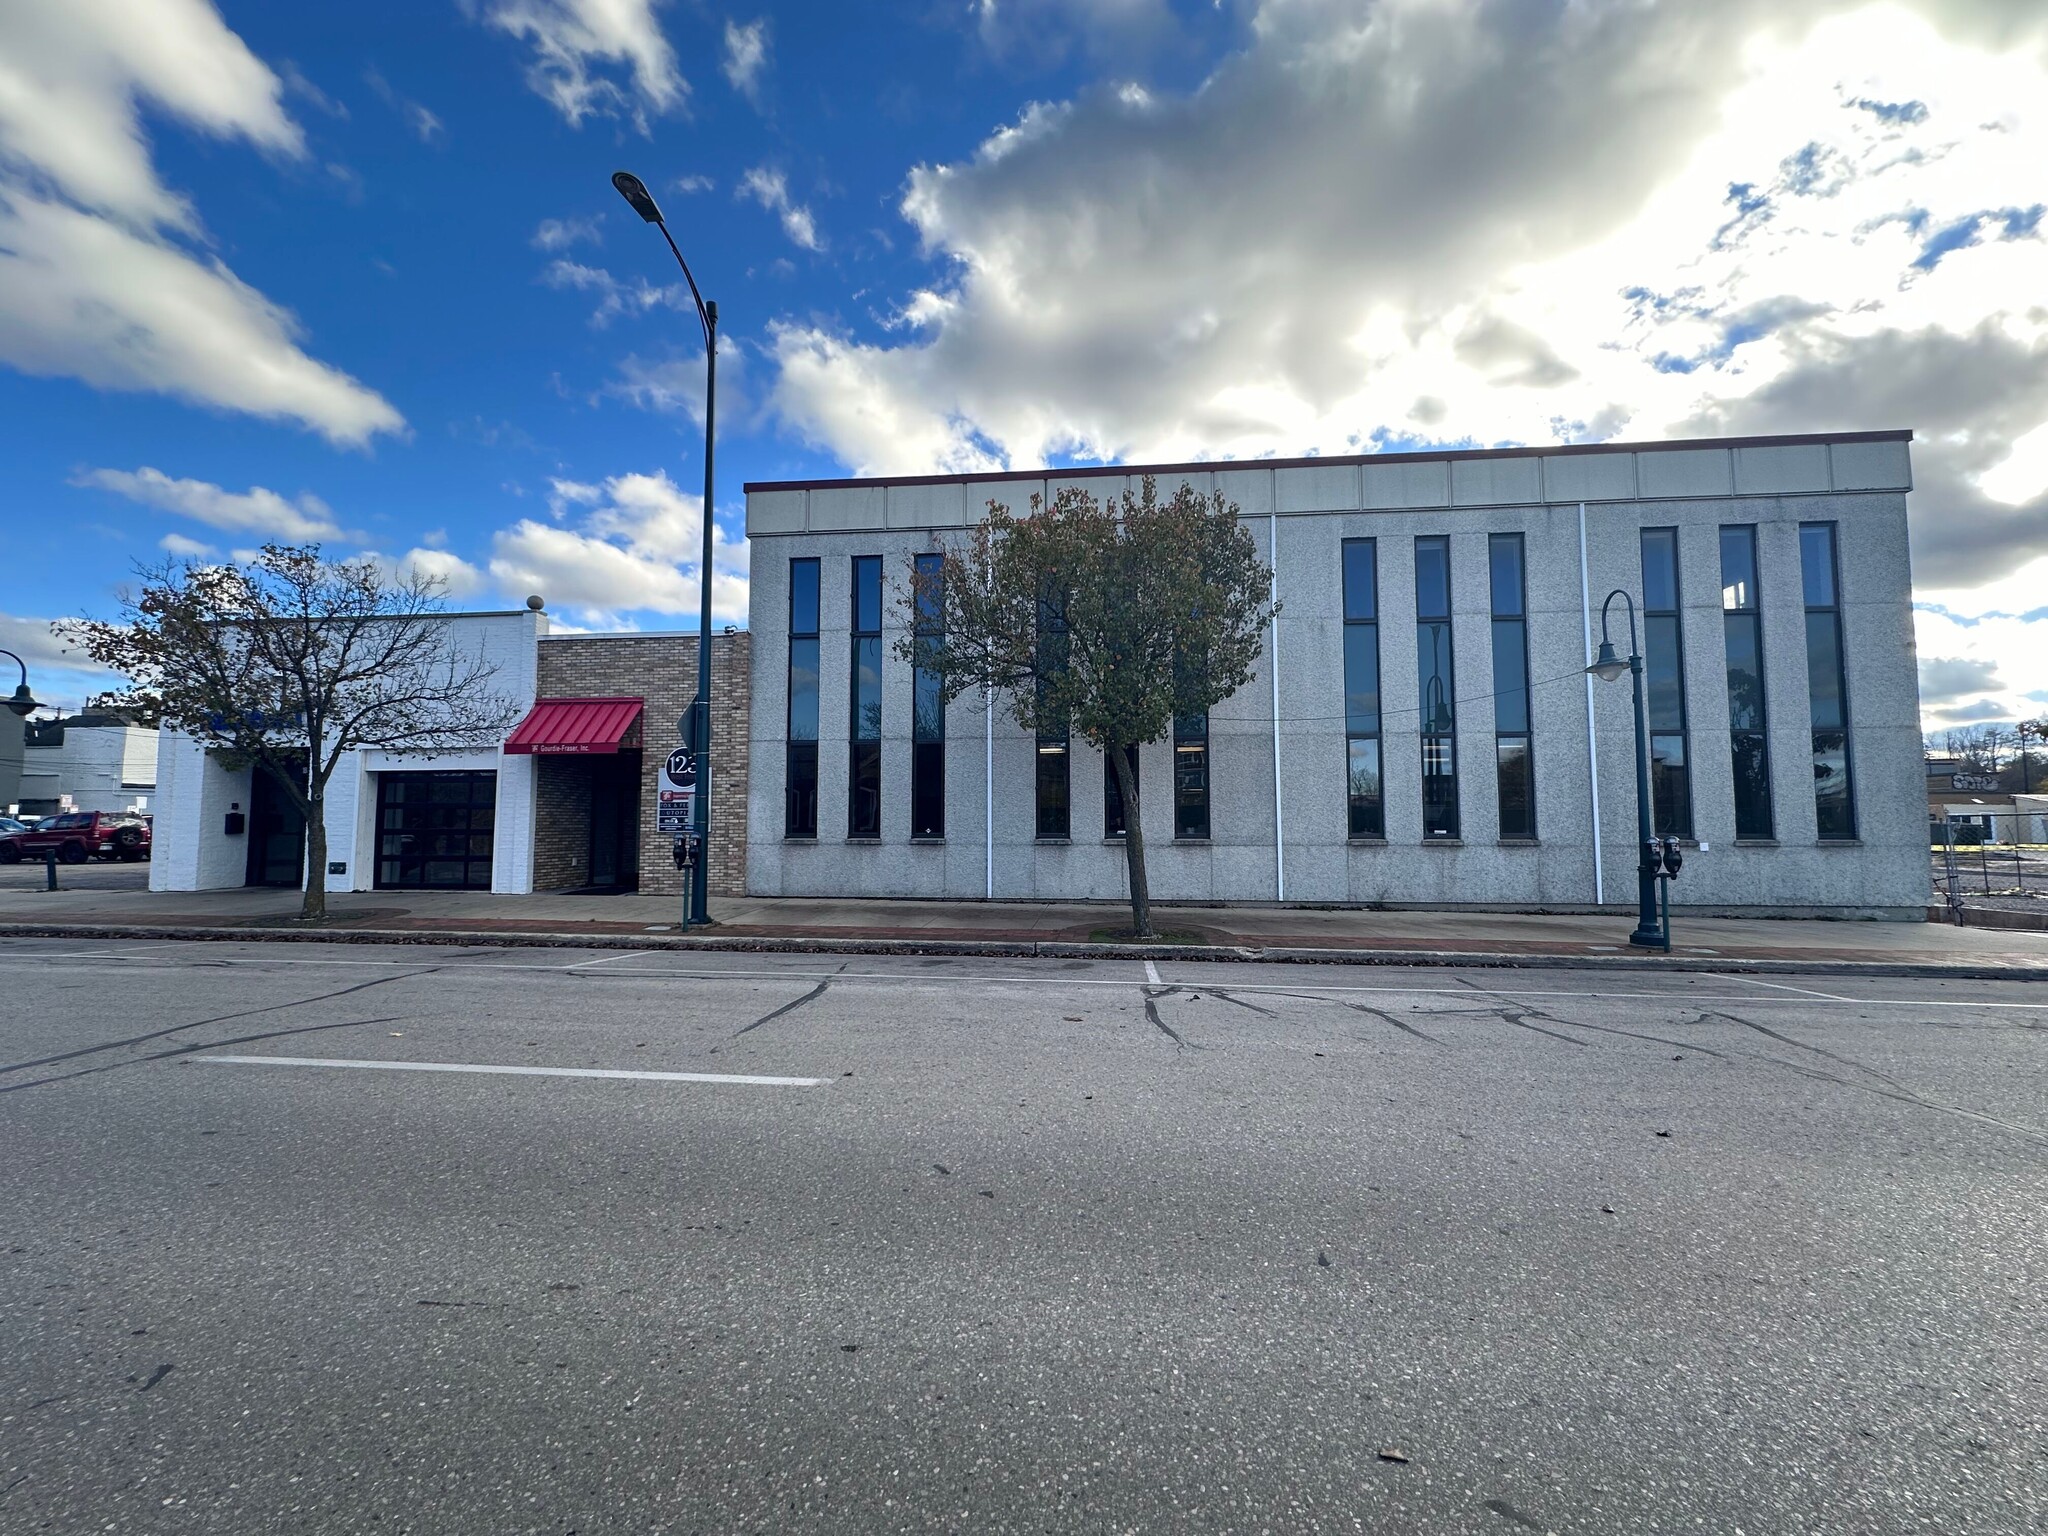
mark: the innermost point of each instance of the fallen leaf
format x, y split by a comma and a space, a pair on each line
1071, 1018
1390, 1454
1608, 1209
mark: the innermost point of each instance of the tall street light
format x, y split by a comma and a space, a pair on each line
1649, 933
635, 192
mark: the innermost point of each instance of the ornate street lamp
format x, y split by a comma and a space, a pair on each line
1649, 933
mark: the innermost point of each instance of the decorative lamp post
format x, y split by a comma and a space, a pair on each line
697, 726
22, 702
1649, 933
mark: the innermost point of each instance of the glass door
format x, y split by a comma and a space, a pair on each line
435, 830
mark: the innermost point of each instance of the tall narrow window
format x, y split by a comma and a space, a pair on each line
1113, 796
1439, 692
1191, 776
800, 754
864, 754
1834, 797
928, 712
1664, 684
1742, 629
1054, 755
1514, 766
1363, 788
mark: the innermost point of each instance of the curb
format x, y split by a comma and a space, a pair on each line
1037, 949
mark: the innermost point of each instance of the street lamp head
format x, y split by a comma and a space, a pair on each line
634, 191
23, 702
1607, 666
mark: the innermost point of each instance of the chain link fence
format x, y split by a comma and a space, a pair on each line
1997, 858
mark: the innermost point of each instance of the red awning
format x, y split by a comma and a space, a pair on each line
576, 725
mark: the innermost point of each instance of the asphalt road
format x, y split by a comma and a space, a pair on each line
1048, 1246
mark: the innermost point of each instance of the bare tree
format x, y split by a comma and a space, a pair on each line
1106, 620
290, 661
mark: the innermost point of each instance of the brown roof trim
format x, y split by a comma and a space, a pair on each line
1553, 451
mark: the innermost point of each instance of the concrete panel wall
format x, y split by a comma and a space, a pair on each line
1695, 490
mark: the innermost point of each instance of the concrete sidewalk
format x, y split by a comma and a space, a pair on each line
1031, 927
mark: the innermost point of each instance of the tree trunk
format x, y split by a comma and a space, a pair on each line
1134, 841
314, 907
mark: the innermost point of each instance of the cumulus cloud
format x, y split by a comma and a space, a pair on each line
1044, 32
675, 386
57, 675
1406, 223
746, 56
575, 41
104, 272
614, 298
459, 579
559, 234
1950, 677
186, 549
1549, 224
256, 510
623, 545
770, 189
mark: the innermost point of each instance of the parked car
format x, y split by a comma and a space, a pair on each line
9, 824
78, 836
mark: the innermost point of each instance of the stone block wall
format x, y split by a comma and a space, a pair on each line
662, 670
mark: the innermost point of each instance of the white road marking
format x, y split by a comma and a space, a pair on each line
1152, 974
702, 973
629, 954
463, 1066
1756, 981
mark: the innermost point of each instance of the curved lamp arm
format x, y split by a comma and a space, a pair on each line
22, 702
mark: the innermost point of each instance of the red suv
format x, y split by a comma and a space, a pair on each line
81, 835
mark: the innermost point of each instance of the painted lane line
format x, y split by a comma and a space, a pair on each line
1833, 997
466, 1066
1152, 974
633, 954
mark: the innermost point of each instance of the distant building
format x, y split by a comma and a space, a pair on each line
1420, 730
93, 761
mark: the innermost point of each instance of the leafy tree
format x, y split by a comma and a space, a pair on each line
1102, 620
291, 660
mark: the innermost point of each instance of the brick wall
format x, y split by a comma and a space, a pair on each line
661, 669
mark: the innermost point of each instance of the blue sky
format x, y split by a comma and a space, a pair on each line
357, 272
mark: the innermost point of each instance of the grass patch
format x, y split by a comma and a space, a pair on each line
1126, 936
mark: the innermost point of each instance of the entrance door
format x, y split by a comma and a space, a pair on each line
615, 822
434, 830
277, 834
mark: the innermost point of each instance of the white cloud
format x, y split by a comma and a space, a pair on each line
424, 125
560, 234
614, 298
186, 549
688, 185
676, 386
103, 272
57, 675
459, 578
573, 39
1474, 222
770, 189
256, 510
746, 56
633, 547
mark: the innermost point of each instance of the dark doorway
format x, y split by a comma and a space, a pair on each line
277, 833
615, 823
435, 830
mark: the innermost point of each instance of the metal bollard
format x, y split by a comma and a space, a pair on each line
50, 869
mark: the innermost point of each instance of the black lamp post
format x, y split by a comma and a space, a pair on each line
698, 734
1649, 933
22, 702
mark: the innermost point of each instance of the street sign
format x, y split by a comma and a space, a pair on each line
677, 803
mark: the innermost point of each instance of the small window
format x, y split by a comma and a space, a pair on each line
1437, 681
800, 752
927, 710
1112, 793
